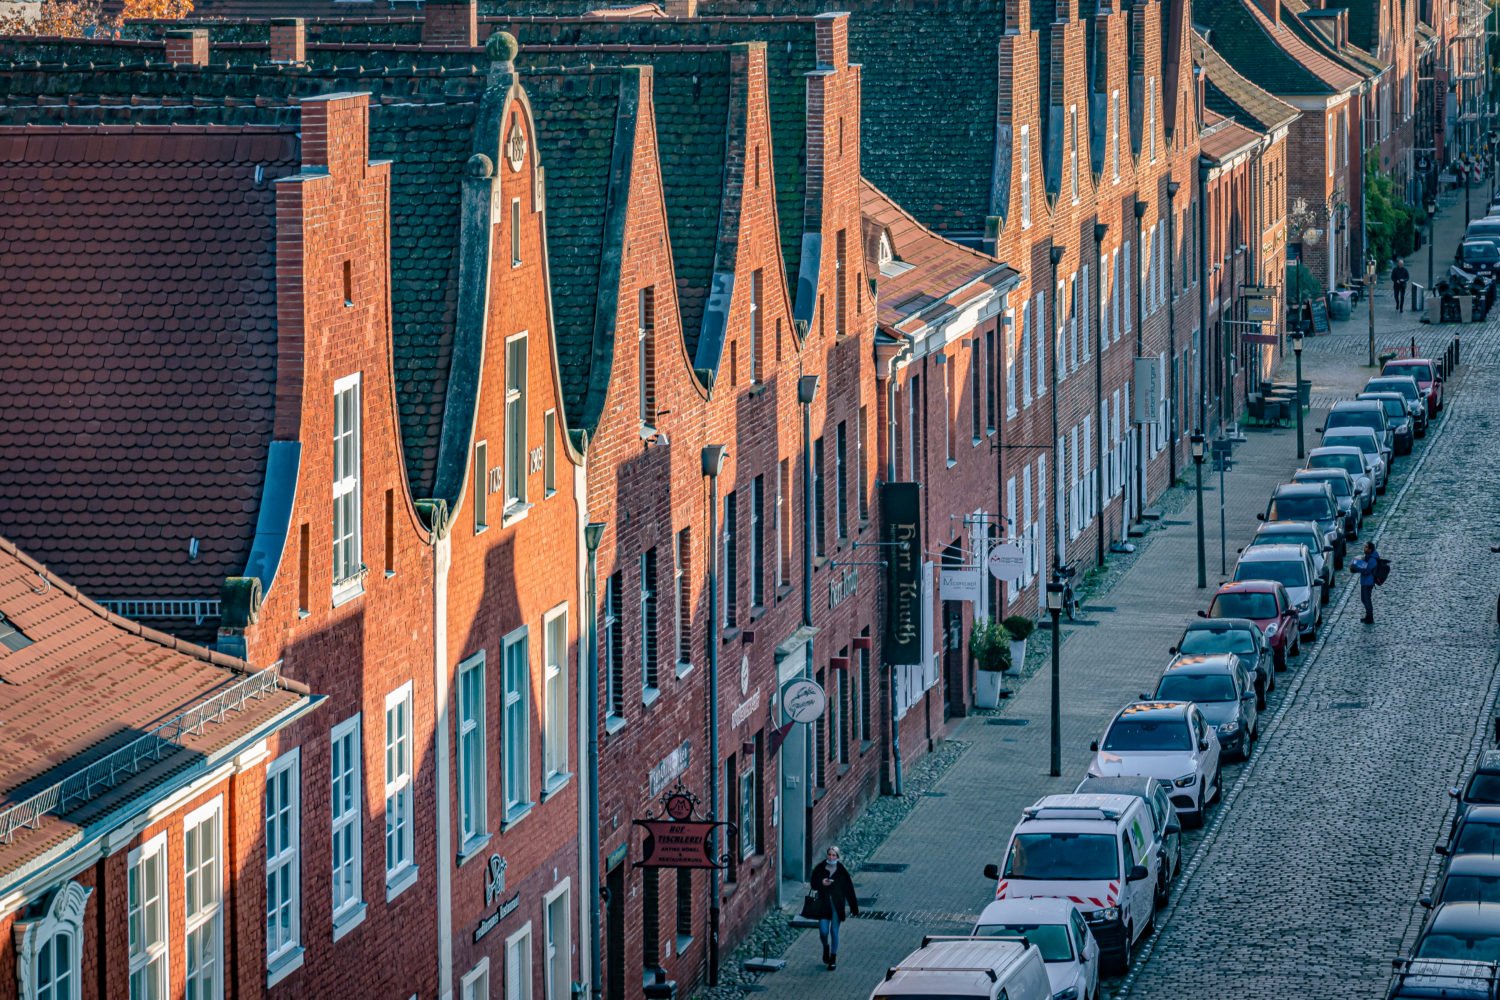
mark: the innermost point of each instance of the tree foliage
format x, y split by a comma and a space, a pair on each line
81, 18
1390, 223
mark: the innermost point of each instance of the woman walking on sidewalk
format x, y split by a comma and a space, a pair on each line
835, 890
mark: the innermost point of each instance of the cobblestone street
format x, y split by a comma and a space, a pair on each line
1305, 881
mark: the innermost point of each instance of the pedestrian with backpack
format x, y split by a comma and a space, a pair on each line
1372, 570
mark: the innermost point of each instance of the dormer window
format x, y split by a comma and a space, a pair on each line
885, 255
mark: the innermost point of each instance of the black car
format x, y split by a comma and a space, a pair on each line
1482, 787
1431, 979
1476, 832
1407, 386
1239, 636
1478, 256
1398, 416
1310, 502
1468, 878
1461, 932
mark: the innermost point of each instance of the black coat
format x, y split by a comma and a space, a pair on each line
1400, 275
837, 896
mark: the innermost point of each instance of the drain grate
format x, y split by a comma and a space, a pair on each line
883, 867
1348, 704
1181, 524
1007, 722
921, 918
1106, 608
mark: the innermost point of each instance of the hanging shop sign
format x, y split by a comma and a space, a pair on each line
803, 700
961, 583
902, 540
1007, 562
679, 838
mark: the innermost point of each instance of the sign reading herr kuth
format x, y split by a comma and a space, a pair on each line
902, 538
802, 700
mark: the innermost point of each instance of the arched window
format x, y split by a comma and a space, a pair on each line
48, 945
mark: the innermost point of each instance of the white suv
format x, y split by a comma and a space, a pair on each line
1169, 741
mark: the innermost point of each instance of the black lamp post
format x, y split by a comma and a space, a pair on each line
712, 459
1054, 608
1431, 223
593, 534
1197, 441
1297, 350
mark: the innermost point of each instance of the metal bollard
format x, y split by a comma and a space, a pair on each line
1456, 349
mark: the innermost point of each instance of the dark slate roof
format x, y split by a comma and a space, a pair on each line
138, 334
1232, 95
582, 119
1241, 37
1364, 21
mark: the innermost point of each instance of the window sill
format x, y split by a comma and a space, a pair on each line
952, 462
783, 591
684, 942
682, 670
756, 610
513, 513
613, 724
730, 633
819, 562
346, 592
480, 529
555, 784
348, 920
472, 847
865, 746
516, 814
399, 881
548, 494
649, 696
757, 388
819, 794
284, 966
843, 770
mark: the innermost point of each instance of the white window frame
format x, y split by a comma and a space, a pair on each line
63, 918
209, 916
400, 871
473, 781
516, 457
148, 957
553, 988
1073, 148
475, 984
518, 974
348, 570
1025, 176
348, 911
516, 741
1114, 141
285, 955
555, 703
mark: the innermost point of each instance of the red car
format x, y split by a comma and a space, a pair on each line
1425, 371
1267, 604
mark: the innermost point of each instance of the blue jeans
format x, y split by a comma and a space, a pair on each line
828, 930
1365, 590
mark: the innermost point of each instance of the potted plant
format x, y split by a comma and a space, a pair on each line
989, 644
1019, 627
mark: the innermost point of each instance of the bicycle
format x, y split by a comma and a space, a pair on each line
1071, 605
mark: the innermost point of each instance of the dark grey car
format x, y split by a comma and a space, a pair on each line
1403, 428
1416, 403
1224, 691
1310, 502
1239, 636
1344, 491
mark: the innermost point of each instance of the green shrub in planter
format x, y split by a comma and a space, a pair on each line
989, 644
1019, 626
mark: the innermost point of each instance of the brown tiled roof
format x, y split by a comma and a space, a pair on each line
91, 682
1223, 137
138, 338
938, 270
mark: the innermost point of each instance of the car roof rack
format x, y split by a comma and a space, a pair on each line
1070, 812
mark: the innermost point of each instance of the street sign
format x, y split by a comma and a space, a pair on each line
961, 583
1146, 392
1007, 562
1269, 339
1259, 307
802, 700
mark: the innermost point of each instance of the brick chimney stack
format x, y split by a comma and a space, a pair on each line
188, 47
288, 40
1271, 8
680, 8
450, 22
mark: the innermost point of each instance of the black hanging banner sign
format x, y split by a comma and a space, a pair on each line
900, 509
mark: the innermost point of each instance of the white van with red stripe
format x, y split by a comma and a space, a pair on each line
1095, 850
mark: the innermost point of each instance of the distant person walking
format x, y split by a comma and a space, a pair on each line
835, 889
1365, 567
1400, 278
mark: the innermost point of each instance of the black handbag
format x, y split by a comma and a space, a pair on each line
814, 907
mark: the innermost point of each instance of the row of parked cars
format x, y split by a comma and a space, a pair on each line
1085, 873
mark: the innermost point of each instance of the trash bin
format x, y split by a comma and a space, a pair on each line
1418, 297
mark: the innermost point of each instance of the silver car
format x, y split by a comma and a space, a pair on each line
1362, 413
1351, 459
1305, 533
1292, 567
1368, 442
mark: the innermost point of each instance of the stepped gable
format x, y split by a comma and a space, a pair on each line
790, 56
1232, 95
138, 325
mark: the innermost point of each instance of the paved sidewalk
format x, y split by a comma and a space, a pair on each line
940, 849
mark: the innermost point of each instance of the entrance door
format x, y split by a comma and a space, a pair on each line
614, 951
953, 659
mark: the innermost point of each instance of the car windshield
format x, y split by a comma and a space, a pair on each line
1484, 789
1148, 734
1288, 573
1395, 409
1352, 464
1407, 389
1255, 606
1364, 442
1178, 685
1203, 640
1298, 509
1478, 838
1472, 889
1354, 418
1477, 947
1422, 372
1063, 856
1051, 939
1480, 250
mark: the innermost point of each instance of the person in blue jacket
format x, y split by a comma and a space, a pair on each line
1365, 567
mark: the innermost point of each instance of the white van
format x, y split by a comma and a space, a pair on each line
961, 968
1095, 850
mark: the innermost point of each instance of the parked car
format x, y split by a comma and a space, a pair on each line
1057, 928
1310, 502
1407, 386
1224, 691
1170, 741
1164, 819
1424, 370
1352, 460
1292, 567
1482, 787
1465, 932
1361, 413
1477, 832
1467, 878
1268, 606
1368, 442
1478, 256
1091, 847
976, 968
1239, 636
1344, 494
1403, 428
1431, 978
1305, 533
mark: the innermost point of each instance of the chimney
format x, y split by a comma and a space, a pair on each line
450, 22
832, 40
335, 132
680, 8
1271, 8
288, 40
188, 47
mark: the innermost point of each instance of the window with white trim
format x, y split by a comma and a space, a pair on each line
347, 557
146, 915
518, 965
1039, 321
557, 955
481, 486
555, 696
203, 906
682, 619
515, 421
346, 791
1073, 148
283, 808
399, 850
473, 811
650, 630
1025, 176
515, 724
1009, 332
475, 984
612, 646
49, 946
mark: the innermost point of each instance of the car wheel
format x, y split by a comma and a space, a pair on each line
1278, 658
1163, 886
1296, 649
1218, 783
1127, 962
1338, 558
1271, 684
1260, 697
1327, 594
